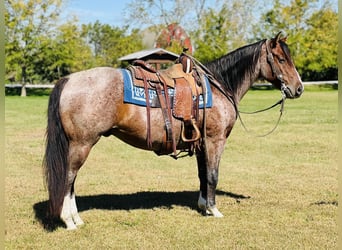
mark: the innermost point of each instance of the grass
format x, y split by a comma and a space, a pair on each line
276, 192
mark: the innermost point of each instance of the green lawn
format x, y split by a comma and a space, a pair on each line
276, 192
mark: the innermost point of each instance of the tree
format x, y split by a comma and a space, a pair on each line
223, 30
25, 22
156, 15
152, 13
311, 34
109, 43
214, 30
318, 58
212, 39
62, 54
38, 48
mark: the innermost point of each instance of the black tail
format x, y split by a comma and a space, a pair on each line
56, 153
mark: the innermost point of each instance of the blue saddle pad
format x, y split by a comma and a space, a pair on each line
136, 94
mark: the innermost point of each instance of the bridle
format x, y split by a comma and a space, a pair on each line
283, 89
275, 70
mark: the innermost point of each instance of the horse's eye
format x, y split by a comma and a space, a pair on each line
281, 60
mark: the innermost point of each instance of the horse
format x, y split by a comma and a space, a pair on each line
87, 105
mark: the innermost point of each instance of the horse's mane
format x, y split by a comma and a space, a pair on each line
231, 69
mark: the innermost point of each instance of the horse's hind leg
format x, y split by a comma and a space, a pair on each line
208, 164
69, 214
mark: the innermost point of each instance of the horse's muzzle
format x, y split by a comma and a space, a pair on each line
292, 94
299, 91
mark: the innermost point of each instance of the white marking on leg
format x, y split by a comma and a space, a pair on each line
74, 212
202, 205
66, 214
214, 212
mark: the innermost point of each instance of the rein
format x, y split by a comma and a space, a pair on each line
281, 102
275, 71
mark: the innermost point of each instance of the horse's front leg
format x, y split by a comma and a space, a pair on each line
208, 165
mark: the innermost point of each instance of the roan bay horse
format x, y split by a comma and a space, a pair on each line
89, 104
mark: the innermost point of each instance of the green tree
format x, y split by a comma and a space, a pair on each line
126, 45
283, 17
318, 57
62, 54
153, 13
288, 18
311, 31
212, 39
223, 30
109, 43
25, 22
214, 30
156, 15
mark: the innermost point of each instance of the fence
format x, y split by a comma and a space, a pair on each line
50, 86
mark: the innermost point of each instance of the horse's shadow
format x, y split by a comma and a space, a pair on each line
139, 200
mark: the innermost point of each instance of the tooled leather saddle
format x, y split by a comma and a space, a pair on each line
184, 105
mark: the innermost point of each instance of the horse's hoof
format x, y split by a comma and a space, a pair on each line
202, 203
71, 227
214, 212
78, 221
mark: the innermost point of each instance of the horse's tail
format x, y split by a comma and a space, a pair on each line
56, 153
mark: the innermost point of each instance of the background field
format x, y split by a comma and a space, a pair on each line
276, 192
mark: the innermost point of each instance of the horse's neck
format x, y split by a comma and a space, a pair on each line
247, 83
250, 77
239, 69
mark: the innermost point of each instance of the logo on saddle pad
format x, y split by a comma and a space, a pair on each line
136, 95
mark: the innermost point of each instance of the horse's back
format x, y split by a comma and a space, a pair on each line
92, 81
89, 100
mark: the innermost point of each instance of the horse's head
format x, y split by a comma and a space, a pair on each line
279, 68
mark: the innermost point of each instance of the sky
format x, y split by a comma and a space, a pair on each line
106, 11
110, 11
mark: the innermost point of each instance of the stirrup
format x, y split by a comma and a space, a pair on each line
197, 131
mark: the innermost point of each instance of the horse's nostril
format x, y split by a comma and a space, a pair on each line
299, 90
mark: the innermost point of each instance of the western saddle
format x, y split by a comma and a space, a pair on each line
187, 83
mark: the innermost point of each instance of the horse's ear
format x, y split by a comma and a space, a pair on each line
276, 39
278, 36
284, 39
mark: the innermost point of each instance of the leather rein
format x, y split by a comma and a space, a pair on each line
281, 102
279, 76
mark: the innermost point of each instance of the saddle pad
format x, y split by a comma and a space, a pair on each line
136, 94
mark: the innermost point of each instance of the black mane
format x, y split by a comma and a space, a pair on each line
231, 69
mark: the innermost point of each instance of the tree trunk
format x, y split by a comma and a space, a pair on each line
23, 90
23, 81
